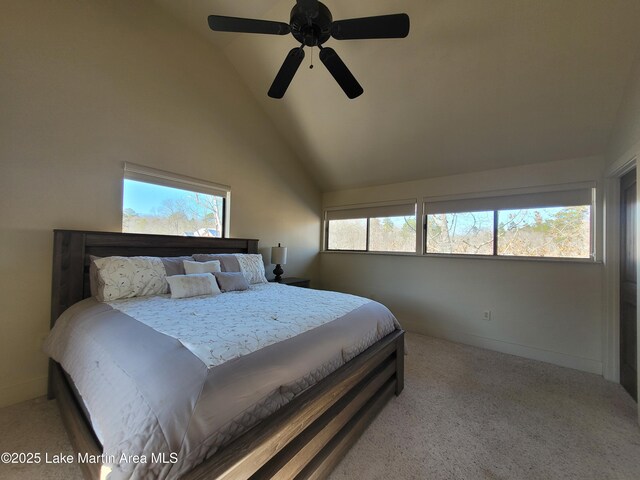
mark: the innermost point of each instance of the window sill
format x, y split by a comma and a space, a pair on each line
363, 252
586, 261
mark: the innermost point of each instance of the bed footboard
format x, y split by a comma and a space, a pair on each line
303, 440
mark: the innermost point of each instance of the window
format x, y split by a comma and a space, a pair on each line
163, 203
469, 233
388, 228
553, 224
348, 234
545, 232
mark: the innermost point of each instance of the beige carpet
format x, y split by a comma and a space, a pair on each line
465, 413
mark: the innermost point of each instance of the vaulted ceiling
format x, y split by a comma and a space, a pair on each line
476, 85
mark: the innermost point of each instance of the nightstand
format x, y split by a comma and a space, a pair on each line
295, 282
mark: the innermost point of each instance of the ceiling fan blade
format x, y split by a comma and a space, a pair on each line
384, 26
309, 7
340, 72
247, 25
286, 73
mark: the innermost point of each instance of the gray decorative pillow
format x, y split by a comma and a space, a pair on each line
174, 265
185, 286
231, 281
228, 261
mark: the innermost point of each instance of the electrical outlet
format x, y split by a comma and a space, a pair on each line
486, 315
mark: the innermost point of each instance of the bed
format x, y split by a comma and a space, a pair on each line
304, 437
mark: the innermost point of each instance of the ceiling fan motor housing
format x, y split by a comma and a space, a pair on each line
311, 31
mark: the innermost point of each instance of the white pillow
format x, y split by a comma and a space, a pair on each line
126, 277
252, 267
201, 267
193, 285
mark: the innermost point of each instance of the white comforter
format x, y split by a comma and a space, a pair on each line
185, 377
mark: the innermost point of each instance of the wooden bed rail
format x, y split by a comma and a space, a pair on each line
306, 424
305, 439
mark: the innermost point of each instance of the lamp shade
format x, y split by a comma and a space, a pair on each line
278, 255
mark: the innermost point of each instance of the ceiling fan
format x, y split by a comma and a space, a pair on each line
312, 25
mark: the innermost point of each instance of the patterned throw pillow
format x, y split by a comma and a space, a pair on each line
172, 266
193, 285
252, 267
126, 277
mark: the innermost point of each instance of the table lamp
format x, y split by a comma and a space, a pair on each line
278, 258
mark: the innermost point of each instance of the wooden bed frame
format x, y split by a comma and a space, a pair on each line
305, 439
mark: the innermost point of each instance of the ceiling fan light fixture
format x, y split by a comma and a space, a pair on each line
312, 24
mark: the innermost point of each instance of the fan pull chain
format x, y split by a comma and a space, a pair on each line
311, 66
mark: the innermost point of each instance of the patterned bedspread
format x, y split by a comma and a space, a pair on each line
220, 328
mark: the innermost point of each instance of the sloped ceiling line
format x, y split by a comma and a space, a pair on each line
475, 86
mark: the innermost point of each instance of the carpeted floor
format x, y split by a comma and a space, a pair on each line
465, 413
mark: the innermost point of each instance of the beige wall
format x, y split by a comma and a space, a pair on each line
545, 310
626, 134
85, 86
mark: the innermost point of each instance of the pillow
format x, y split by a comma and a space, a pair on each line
228, 261
252, 267
126, 277
250, 264
172, 266
193, 285
231, 281
201, 267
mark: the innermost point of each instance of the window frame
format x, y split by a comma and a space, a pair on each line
153, 176
595, 233
370, 207
593, 252
326, 240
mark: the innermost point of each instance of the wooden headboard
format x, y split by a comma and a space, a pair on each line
71, 250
